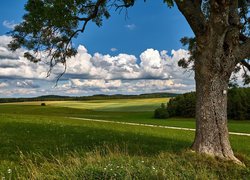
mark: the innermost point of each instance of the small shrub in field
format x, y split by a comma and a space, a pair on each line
162, 112
43, 104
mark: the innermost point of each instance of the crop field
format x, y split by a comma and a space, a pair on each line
44, 142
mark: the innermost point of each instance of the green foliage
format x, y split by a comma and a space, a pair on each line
161, 113
49, 26
175, 106
246, 78
182, 105
191, 44
244, 31
238, 104
170, 3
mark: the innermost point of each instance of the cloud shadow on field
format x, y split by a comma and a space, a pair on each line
51, 139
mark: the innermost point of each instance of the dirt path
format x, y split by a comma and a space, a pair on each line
148, 125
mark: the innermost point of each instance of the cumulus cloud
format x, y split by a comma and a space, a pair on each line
78, 87
27, 84
122, 66
96, 83
4, 51
3, 84
19, 92
151, 64
152, 71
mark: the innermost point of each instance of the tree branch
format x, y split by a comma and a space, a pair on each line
244, 63
193, 14
244, 50
233, 33
234, 18
197, 3
242, 37
220, 15
86, 20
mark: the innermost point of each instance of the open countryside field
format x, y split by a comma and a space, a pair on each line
121, 105
43, 142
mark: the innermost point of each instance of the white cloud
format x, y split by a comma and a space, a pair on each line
130, 26
27, 84
122, 66
9, 24
3, 84
152, 64
89, 74
96, 83
123, 86
4, 51
17, 92
113, 49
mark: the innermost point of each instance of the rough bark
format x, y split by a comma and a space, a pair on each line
212, 136
215, 59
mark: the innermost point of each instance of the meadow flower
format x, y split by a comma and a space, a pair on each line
9, 171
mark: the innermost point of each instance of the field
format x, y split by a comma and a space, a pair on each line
44, 142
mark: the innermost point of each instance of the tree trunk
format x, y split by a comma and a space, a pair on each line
211, 135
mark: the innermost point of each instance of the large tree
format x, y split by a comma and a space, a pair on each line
220, 45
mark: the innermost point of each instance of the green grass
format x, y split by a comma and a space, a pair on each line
42, 143
125, 110
120, 105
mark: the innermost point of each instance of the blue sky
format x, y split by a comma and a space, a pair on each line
131, 55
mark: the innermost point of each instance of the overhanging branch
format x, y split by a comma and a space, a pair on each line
247, 65
244, 50
192, 12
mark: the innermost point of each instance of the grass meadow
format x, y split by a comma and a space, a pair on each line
43, 142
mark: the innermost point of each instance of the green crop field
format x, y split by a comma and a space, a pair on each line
44, 142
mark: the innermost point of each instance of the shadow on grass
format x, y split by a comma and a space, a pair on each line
66, 111
51, 139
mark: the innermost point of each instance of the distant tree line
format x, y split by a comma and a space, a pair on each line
184, 105
82, 98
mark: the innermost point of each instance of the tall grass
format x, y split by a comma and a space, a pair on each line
116, 163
